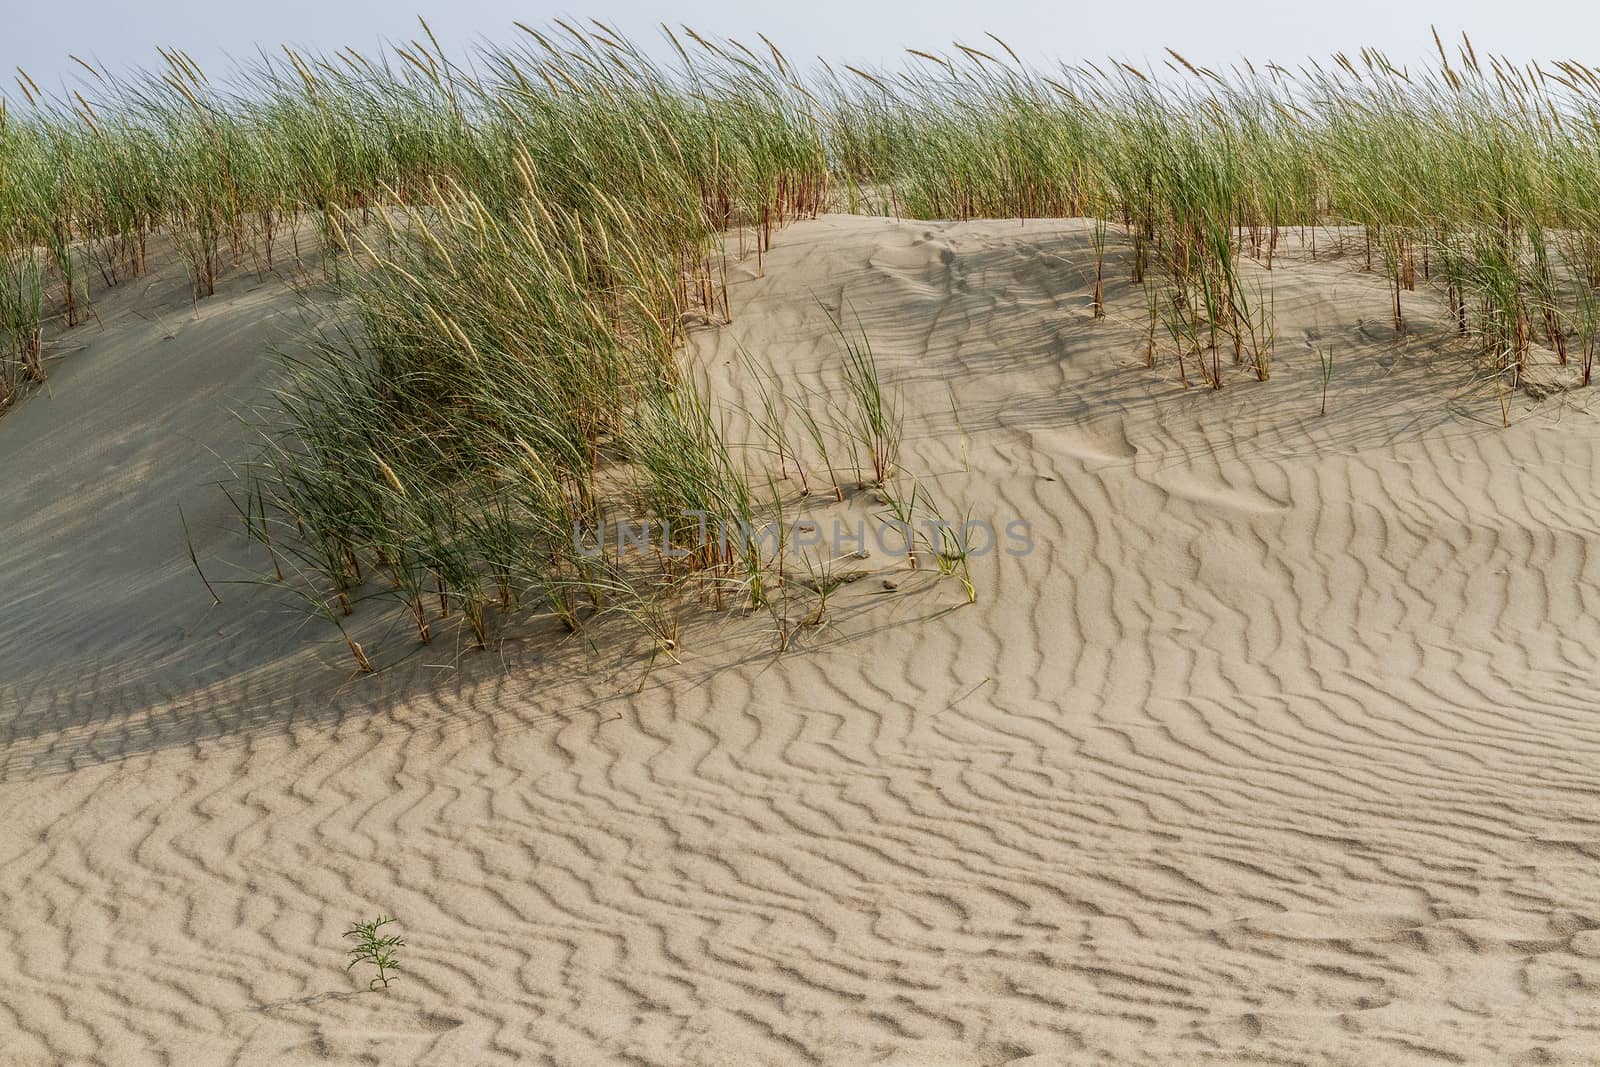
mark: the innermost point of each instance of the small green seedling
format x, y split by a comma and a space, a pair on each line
376, 950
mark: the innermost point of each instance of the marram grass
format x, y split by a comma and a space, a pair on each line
517, 243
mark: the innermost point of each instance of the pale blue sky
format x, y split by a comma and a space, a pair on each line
38, 34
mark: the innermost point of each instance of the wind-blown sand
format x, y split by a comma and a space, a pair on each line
1283, 747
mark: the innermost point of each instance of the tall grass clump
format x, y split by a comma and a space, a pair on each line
1473, 178
450, 438
502, 393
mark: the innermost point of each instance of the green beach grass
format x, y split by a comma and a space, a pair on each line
516, 243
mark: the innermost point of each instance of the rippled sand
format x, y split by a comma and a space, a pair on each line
1282, 747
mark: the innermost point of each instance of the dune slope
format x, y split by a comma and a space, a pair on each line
1280, 746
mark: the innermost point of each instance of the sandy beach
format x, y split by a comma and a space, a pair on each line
1277, 748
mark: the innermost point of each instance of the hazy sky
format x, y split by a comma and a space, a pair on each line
38, 34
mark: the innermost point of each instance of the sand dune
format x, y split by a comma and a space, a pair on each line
1279, 748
